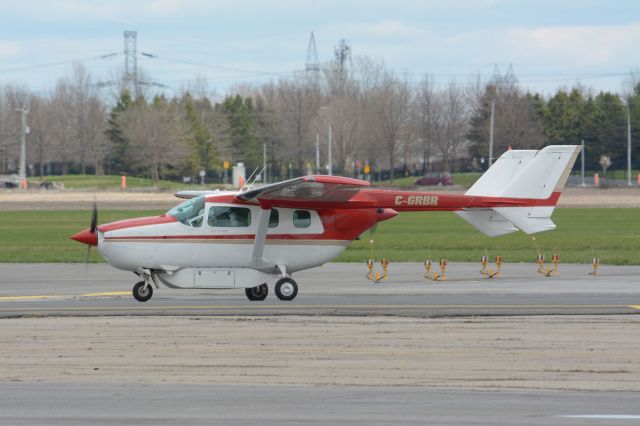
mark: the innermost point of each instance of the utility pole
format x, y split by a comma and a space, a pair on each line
23, 148
628, 142
330, 142
317, 153
330, 149
264, 161
493, 113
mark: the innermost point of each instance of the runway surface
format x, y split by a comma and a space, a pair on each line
338, 289
111, 404
87, 394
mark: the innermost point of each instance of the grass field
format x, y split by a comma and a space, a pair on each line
464, 180
611, 234
111, 182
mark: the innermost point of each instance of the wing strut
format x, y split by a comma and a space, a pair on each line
257, 261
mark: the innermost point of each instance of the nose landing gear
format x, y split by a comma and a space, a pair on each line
142, 291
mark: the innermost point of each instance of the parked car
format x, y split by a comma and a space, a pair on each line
433, 179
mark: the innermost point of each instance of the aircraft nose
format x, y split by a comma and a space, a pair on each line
86, 237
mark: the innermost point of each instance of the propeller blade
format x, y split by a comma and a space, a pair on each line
87, 255
94, 218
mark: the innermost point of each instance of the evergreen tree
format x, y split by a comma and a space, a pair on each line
245, 143
118, 159
204, 152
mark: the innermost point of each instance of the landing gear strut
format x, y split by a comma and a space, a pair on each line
142, 291
286, 289
257, 293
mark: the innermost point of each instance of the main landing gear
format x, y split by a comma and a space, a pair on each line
257, 293
286, 289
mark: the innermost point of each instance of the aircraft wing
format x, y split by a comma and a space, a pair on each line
194, 194
312, 192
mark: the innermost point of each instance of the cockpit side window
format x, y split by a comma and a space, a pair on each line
229, 217
190, 213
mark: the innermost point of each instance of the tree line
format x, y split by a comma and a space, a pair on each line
379, 120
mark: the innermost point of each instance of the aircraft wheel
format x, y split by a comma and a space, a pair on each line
141, 292
257, 293
286, 289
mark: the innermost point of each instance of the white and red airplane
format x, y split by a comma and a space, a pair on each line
246, 239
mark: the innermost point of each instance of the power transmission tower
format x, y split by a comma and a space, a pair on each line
312, 64
131, 62
342, 53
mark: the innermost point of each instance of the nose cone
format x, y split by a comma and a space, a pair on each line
86, 237
386, 214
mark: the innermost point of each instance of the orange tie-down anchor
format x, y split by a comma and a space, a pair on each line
490, 273
595, 262
442, 276
548, 271
375, 276
427, 268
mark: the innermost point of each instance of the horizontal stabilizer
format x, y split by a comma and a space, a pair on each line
528, 219
488, 222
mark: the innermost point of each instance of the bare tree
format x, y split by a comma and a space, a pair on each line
40, 147
454, 121
390, 107
298, 104
427, 117
158, 134
11, 98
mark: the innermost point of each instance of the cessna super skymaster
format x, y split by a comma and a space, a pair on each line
260, 237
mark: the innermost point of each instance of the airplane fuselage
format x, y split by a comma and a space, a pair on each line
211, 246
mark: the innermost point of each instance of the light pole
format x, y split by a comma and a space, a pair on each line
23, 148
628, 142
493, 113
329, 154
317, 153
264, 161
582, 160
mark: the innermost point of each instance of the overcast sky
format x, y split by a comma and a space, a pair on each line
549, 43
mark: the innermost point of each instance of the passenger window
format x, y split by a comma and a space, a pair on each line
301, 218
274, 218
229, 217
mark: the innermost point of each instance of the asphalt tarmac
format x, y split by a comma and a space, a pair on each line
112, 404
335, 289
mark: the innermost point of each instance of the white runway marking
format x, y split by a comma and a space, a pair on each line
603, 416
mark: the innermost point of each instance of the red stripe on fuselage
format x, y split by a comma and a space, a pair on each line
433, 201
221, 237
136, 222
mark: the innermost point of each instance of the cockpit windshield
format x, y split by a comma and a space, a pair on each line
190, 212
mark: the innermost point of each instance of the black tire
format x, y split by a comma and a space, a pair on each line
142, 293
257, 293
286, 289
